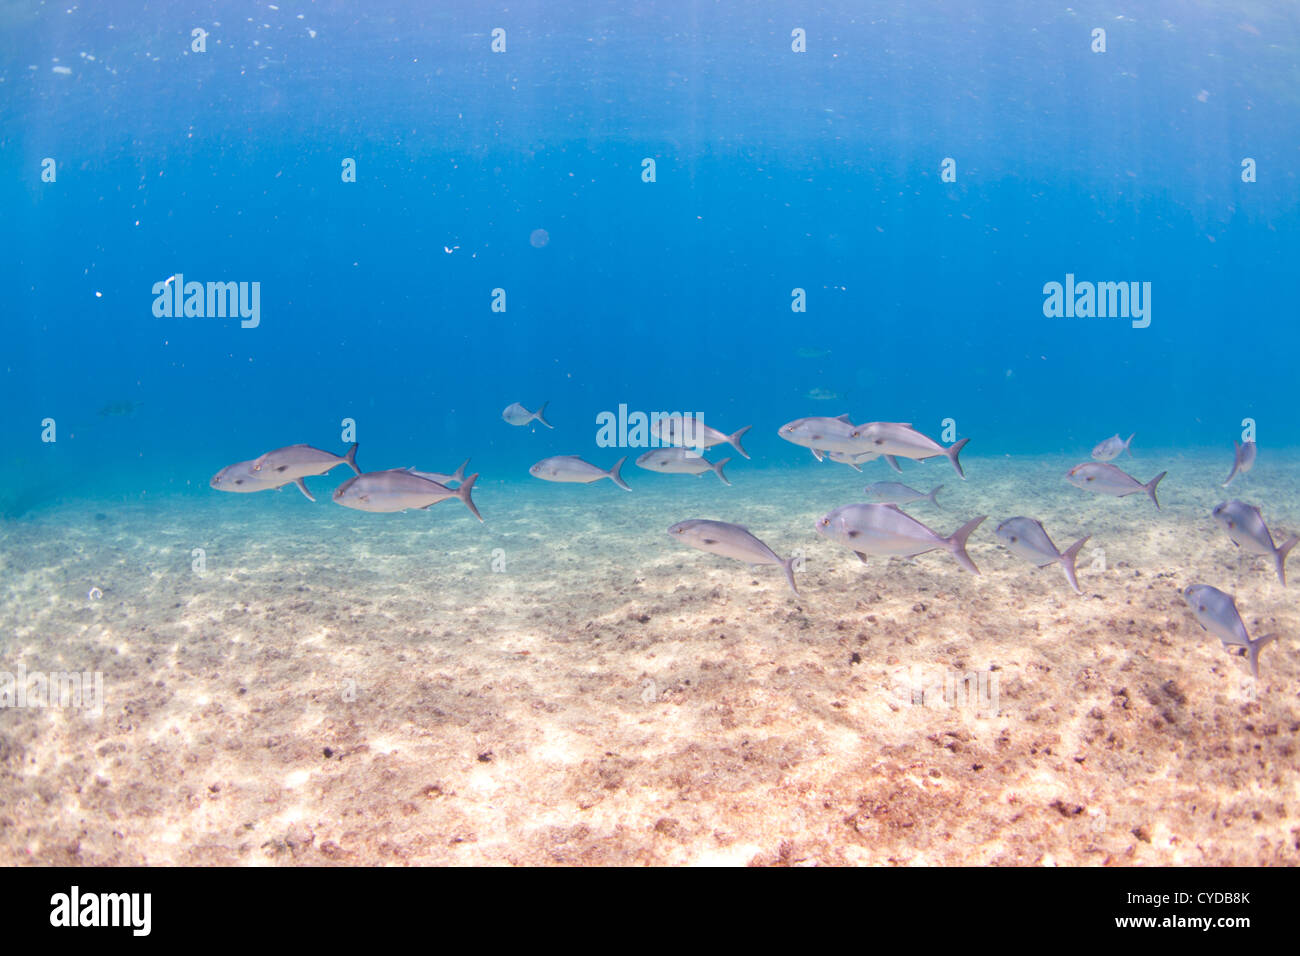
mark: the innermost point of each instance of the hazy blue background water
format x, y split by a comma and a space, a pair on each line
776, 170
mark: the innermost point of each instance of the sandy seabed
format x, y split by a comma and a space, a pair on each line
567, 685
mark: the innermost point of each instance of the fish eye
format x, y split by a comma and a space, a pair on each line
1014, 539
825, 522
1089, 478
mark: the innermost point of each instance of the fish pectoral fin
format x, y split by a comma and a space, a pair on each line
853, 533
709, 540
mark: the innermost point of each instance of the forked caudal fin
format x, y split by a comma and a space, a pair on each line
957, 543
931, 496
615, 477
1128, 445
1068, 559
459, 473
539, 414
1150, 486
788, 567
952, 454
734, 440
351, 457
463, 494
1253, 652
717, 470
1279, 558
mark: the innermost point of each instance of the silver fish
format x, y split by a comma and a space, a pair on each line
1245, 526
693, 433
731, 541
1243, 460
571, 468
1217, 613
1027, 538
886, 530
301, 461
681, 461
516, 414
823, 435
900, 440
895, 493
844, 458
457, 475
398, 489
1111, 448
1108, 480
240, 477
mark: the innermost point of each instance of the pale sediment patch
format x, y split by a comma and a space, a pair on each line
353, 688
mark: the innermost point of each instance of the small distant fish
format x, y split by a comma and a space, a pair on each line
572, 469
823, 435
1027, 538
302, 461
458, 475
516, 414
895, 493
240, 477
1245, 526
822, 395
693, 433
887, 531
1243, 460
1109, 480
123, 407
398, 489
681, 461
1217, 613
731, 541
1111, 448
901, 440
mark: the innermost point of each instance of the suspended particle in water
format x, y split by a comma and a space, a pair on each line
539, 238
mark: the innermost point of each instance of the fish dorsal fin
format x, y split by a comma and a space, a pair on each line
843, 418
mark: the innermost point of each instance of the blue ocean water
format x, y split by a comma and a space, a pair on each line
775, 171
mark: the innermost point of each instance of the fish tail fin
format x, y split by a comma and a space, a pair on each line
302, 486
1279, 557
1236, 462
957, 543
734, 440
540, 418
893, 463
1128, 445
351, 457
717, 470
615, 477
463, 494
1150, 486
931, 496
1068, 559
459, 473
952, 454
1253, 650
788, 567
